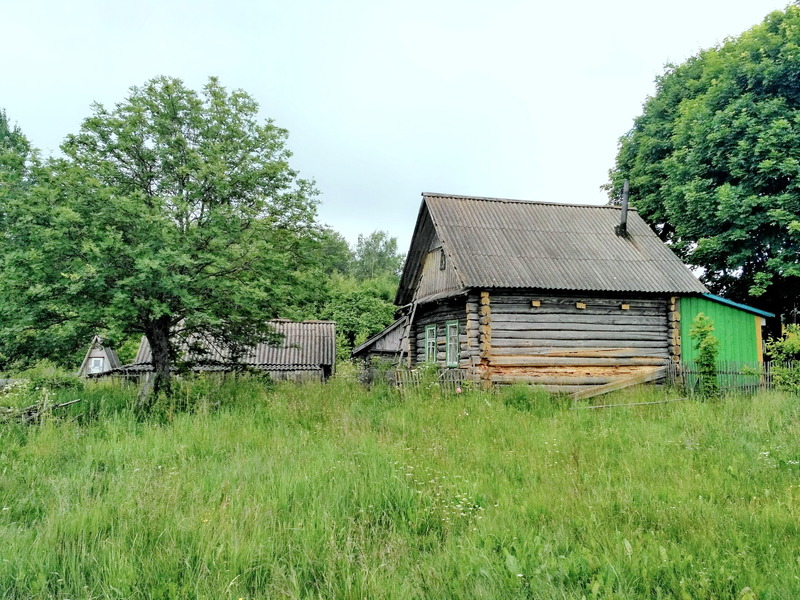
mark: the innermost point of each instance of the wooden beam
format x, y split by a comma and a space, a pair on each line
537, 361
622, 383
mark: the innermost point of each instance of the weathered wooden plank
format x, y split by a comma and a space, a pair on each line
622, 383
499, 298
622, 337
541, 361
500, 309
523, 342
583, 352
520, 326
561, 318
553, 380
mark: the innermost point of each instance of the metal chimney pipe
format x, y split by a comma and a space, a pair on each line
622, 229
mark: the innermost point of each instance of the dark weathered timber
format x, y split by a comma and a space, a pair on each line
588, 335
500, 298
537, 361
498, 327
544, 310
517, 342
583, 352
561, 318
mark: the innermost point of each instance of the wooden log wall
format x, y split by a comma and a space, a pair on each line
569, 342
674, 325
439, 313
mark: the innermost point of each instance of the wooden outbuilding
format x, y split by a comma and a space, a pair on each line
383, 347
99, 359
566, 296
306, 352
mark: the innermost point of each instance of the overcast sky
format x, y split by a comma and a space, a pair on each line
382, 100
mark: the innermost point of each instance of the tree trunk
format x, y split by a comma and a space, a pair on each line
158, 337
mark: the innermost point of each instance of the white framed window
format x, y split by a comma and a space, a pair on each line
96, 365
430, 344
452, 343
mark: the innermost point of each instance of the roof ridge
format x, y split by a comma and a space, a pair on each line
519, 201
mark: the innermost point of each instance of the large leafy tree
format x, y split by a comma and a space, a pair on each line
173, 214
376, 255
714, 163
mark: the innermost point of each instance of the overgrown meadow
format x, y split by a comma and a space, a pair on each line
244, 490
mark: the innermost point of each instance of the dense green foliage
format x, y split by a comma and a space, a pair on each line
714, 158
360, 298
175, 213
328, 491
376, 255
784, 351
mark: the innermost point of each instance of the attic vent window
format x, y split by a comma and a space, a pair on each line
442, 260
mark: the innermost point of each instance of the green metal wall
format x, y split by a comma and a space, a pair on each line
734, 328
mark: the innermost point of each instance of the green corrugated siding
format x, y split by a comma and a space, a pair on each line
735, 329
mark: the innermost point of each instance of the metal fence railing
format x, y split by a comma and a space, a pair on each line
740, 377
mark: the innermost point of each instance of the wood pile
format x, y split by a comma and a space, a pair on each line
30, 414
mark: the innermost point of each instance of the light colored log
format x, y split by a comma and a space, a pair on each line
553, 380
622, 383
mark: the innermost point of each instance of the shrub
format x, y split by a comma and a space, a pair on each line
46, 374
707, 346
783, 351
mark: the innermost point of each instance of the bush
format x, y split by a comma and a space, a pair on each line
785, 350
46, 374
707, 346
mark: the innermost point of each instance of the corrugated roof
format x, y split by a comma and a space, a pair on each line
305, 345
498, 243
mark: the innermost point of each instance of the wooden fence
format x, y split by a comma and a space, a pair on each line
446, 379
747, 378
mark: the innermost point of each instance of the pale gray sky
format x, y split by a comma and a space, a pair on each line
383, 100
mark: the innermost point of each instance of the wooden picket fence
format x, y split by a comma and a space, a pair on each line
732, 377
446, 379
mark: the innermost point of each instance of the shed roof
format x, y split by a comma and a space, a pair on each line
374, 339
307, 344
745, 307
500, 243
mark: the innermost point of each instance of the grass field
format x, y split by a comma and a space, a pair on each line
332, 491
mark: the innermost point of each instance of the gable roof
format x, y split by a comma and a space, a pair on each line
98, 349
305, 345
499, 243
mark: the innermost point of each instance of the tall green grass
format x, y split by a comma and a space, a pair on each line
241, 490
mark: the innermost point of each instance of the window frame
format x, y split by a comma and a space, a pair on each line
97, 364
452, 354
430, 343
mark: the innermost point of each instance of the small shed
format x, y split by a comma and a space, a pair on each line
738, 328
307, 352
99, 359
383, 346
